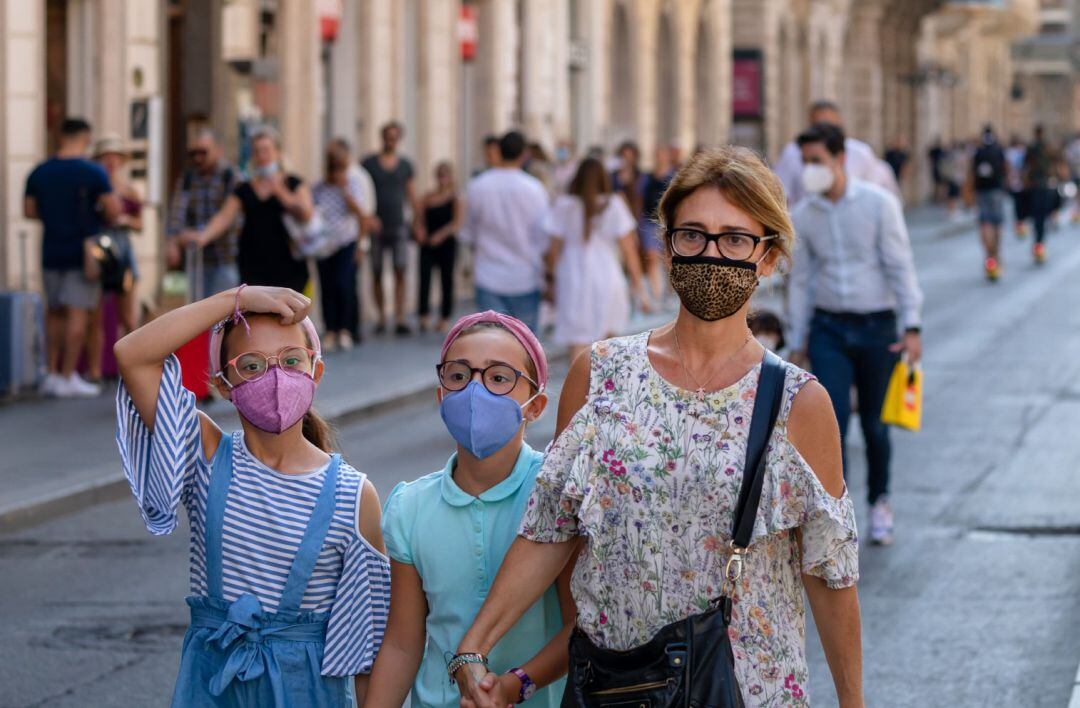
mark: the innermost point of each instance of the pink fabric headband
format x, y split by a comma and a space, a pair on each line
217, 338
516, 327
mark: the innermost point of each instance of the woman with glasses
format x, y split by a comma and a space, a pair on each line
589, 228
447, 532
289, 585
646, 473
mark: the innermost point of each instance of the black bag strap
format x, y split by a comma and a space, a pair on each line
766, 409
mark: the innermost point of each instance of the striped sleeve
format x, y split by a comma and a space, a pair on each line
358, 617
160, 465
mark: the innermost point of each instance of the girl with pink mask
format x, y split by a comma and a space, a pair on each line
289, 583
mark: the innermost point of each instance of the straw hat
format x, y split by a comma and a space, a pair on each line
110, 143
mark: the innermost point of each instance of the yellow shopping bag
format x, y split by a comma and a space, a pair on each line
903, 400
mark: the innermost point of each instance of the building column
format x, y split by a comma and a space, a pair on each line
302, 102
22, 136
863, 84
644, 36
439, 64
685, 18
716, 15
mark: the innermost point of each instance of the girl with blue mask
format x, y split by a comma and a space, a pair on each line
446, 533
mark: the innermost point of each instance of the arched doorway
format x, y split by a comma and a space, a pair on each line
667, 87
621, 76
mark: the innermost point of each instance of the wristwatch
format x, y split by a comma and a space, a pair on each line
528, 688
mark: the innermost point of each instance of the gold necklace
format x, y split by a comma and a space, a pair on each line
701, 387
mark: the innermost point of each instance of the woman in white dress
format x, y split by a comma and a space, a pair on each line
589, 227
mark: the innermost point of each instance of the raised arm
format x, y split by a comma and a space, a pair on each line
141, 354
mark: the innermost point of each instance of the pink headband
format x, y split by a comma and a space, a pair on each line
217, 338
516, 327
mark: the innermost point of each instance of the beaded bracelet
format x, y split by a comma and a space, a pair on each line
460, 660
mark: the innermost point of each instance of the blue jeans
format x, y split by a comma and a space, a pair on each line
525, 307
340, 301
215, 279
845, 350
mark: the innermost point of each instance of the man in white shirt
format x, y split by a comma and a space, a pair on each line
852, 288
861, 162
505, 206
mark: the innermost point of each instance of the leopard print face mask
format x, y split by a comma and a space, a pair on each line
712, 288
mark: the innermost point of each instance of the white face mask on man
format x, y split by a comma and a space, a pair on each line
816, 178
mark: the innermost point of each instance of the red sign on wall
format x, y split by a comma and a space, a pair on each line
468, 32
746, 99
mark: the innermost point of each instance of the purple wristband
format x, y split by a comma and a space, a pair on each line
528, 688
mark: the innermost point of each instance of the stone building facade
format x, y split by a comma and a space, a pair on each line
591, 72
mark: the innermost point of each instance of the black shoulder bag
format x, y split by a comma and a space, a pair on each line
689, 662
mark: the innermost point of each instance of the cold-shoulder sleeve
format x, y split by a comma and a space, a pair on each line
794, 498
160, 465
358, 617
551, 515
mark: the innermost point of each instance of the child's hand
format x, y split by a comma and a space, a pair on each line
291, 305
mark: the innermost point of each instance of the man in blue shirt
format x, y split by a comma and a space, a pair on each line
854, 301
72, 198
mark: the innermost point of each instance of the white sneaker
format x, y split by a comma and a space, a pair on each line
345, 341
50, 384
75, 387
881, 523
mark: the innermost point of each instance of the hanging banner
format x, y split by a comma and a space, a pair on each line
746, 86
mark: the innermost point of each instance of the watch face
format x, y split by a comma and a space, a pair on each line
529, 691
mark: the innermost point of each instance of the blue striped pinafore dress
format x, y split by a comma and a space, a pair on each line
234, 653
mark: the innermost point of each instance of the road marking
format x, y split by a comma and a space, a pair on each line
1074, 702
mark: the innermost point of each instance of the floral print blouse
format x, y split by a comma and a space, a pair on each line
650, 475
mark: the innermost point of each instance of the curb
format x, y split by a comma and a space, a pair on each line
63, 502
114, 486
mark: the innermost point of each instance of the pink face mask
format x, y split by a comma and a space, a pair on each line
275, 401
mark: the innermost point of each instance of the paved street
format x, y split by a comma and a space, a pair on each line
975, 605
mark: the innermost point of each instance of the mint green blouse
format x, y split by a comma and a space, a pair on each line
456, 542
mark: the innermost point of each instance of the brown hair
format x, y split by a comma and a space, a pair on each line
315, 428
590, 184
746, 181
336, 158
481, 326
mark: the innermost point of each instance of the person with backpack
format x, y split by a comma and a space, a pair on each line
200, 193
989, 173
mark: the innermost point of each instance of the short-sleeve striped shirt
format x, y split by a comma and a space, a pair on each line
266, 514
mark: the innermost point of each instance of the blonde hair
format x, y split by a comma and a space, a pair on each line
746, 181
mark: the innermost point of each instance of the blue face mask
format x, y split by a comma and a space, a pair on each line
480, 421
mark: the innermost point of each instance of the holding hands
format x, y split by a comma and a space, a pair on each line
481, 688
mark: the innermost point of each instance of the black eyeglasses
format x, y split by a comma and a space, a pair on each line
196, 153
500, 379
736, 245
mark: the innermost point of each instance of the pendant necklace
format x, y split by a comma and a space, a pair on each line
700, 393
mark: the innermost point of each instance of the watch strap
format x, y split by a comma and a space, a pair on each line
528, 687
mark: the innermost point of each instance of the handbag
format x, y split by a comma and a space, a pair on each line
689, 662
903, 398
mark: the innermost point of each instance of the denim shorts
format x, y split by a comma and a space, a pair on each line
991, 205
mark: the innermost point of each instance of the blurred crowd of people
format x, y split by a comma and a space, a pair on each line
1037, 177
